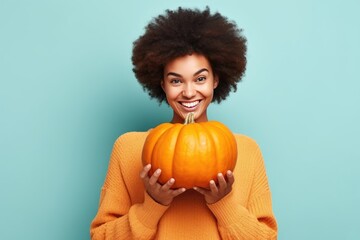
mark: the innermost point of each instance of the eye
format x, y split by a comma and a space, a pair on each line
201, 79
175, 81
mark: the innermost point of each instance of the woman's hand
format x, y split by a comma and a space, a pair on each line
160, 193
219, 191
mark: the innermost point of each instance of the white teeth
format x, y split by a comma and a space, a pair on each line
190, 104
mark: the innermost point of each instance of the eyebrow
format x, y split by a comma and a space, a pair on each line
179, 75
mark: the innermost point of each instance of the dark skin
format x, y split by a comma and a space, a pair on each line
164, 195
217, 191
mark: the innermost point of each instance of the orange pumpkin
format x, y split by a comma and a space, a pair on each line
191, 153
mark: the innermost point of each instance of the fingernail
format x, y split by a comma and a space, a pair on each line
158, 171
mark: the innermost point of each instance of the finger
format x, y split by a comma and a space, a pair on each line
222, 181
230, 177
168, 185
154, 178
144, 172
200, 190
213, 187
178, 191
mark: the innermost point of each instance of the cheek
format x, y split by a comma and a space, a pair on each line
171, 94
208, 92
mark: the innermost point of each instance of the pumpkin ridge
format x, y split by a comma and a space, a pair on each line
151, 141
198, 138
178, 161
159, 147
213, 144
174, 156
233, 146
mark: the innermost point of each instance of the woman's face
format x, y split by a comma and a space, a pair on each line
189, 84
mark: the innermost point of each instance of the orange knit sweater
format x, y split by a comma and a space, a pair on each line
126, 211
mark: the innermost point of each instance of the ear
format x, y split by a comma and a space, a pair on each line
162, 85
216, 81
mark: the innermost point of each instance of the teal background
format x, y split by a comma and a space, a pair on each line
67, 92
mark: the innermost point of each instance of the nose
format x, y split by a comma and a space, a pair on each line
189, 91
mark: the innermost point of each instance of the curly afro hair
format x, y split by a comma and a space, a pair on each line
186, 31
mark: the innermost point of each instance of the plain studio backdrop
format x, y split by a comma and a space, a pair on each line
68, 91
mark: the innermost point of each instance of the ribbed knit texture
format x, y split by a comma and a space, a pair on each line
126, 211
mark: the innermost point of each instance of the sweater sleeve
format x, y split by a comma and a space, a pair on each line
117, 216
255, 221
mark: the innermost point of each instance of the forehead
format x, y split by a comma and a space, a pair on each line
188, 64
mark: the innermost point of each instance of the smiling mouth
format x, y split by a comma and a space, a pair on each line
190, 104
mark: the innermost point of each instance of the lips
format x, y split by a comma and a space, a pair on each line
190, 104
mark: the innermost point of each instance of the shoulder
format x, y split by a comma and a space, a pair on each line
243, 139
131, 138
246, 143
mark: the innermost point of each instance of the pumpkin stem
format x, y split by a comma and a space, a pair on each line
190, 118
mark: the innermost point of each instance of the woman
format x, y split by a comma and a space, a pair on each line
188, 58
